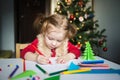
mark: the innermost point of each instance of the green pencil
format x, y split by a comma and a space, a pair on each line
40, 68
57, 72
53, 73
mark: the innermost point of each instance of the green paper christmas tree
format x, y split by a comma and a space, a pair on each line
88, 52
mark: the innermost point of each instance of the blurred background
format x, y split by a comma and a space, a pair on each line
17, 16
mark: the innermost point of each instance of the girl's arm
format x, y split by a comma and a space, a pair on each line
30, 56
29, 53
29, 49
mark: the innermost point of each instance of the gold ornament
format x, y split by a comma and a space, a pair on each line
80, 37
68, 2
60, 11
78, 28
82, 25
76, 13
78, 43
58, 3
58, 7
74, 18
81, 45
71, 21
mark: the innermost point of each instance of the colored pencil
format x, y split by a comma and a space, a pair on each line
24, 65
57, 72
96, 67
13, 72
103, 71
40, 68
76, 71
93, 65
92, 62
39, 52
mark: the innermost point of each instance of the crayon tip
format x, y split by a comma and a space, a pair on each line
50, 62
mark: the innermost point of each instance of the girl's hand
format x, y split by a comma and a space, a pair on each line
42, 59
65, 58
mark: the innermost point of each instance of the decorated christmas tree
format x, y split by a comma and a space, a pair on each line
88, 52
79, 13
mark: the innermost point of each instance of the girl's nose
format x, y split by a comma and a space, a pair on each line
54, 43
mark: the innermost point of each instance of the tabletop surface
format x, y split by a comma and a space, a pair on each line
8, 65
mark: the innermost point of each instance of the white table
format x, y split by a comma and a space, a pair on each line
95, 76
8, 65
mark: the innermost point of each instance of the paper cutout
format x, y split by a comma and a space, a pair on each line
88, 52
53, 78
73, 66
24, 74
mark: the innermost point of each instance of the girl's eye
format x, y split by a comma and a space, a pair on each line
59, 40
50, 38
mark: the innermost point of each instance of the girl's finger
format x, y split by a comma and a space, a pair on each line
42, 60
60, 60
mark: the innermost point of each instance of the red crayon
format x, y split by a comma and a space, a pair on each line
24, 65
39, 52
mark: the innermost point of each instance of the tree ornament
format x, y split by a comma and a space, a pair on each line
82, 24
58, 7
80, 37
71, 21
74, 18
100, 42
85, 16
78, 28
60, 11
80, 3
76, 13
81, 19
105, 49
78, 45
71, 17
90, 16
68, 2
58, 3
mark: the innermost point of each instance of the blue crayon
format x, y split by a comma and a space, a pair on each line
103, 71
13, 72
92, 61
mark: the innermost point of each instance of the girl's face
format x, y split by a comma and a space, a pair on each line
54, 37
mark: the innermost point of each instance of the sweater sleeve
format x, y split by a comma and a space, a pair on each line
74, 50
29, 48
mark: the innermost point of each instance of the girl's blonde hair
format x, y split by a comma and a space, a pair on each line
44, 23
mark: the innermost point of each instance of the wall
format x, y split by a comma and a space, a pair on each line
108, 14
53, 6
7, 25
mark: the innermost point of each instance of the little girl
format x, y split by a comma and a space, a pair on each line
52, 41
